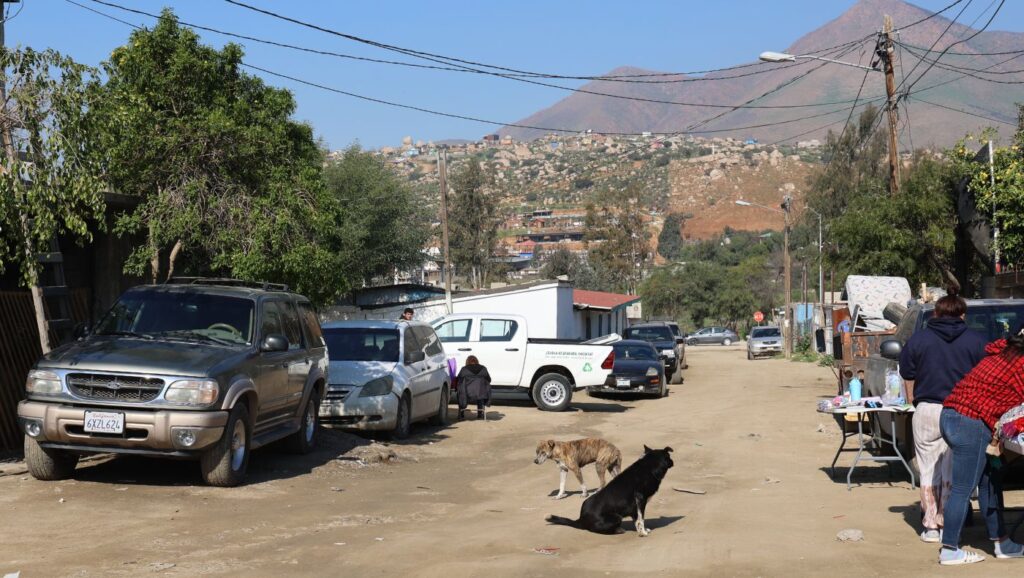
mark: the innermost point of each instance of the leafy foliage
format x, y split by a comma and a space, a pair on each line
670, 240
48, 185
472, 223
618, 239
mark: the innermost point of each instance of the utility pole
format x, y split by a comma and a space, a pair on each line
12, 155
888, 53
442, 173
787, 281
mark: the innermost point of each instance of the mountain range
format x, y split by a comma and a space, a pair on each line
967, 99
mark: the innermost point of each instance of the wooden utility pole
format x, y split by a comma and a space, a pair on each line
787, 282
12, 156
442, 175
888, 54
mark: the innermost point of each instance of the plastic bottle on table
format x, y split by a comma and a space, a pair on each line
855, 386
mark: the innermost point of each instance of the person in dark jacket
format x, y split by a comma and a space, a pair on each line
933, 361
474, 385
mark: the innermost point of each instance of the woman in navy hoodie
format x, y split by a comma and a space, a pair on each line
933, 361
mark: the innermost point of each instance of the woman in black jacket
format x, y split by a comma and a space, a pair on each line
474, 385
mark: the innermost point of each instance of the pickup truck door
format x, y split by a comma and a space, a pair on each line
501, 347
455, 334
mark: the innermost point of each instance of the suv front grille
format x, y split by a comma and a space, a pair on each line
128, 388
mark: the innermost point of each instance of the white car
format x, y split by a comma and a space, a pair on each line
384, 375
544, 370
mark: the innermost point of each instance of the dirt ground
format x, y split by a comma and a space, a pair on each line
467, 499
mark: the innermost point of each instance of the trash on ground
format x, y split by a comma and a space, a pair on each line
547, 551
850, 535
691, 491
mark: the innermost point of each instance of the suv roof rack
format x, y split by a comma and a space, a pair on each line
229, 283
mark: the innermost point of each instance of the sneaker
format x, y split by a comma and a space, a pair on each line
931, 535
1009, 549
948, 557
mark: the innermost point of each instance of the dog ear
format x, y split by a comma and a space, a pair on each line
647, 450
668, 449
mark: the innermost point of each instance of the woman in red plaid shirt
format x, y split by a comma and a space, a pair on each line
968, 419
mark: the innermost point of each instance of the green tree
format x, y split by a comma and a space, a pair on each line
222, 172
48, 185
618, 240
670, 240
473, 223
381, 226
562, 261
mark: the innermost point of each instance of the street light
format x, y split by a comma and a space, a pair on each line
785, 206
783, 57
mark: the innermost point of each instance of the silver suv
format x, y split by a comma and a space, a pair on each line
198, 368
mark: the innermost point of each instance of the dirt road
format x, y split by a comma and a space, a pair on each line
467, 500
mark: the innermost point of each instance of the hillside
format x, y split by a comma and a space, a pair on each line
931, 125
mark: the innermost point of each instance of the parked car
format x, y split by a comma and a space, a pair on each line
544, 370
680, 343
669, 347
764, 341
711, 335
385, 375
993, 318
638, 368
201, 369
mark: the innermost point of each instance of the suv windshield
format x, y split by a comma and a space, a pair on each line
650, 333
162, 314
645, 352
764, 332
362, 344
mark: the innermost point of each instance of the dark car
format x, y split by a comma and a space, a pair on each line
660, 336
712, 335
199, 369
993, 318
638, 369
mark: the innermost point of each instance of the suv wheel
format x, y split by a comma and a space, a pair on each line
552, 392
403, 421
225, 463
304, 440
47, 463
727, 341
442, 411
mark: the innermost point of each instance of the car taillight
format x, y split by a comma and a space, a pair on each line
609, 362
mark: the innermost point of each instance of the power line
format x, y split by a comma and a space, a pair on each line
993, 119
449, 59
477, 119
930, 16
937, 39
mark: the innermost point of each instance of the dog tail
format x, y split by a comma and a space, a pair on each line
558, 520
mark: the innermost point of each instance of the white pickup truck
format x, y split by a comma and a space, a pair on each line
546, 370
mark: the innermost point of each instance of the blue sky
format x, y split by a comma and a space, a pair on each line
565, 37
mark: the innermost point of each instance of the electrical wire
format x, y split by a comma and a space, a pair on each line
993, 119
937, 39
449, 60
906, 109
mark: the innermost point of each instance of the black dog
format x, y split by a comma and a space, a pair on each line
624, 497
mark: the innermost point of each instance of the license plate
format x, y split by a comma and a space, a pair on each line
623, 382
107, 422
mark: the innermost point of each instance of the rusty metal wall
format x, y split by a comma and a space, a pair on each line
19, 350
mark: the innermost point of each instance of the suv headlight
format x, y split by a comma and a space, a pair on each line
379, 386
652, 372
43, 383
196, 392
668, 352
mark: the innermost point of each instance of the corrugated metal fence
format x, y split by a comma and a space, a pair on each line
19, 350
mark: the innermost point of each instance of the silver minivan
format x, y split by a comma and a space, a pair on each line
384, 375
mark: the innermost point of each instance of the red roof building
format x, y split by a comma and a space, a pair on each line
599, 313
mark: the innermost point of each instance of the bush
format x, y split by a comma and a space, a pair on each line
583, 183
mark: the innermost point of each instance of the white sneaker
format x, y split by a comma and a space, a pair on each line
1009, 549
931, 536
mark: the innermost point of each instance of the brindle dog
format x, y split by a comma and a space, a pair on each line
573, 455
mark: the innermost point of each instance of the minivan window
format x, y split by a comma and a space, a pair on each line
428, 340
411, 344
361, 344
217, 318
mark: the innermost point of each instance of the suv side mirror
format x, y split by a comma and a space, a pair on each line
80, 330
891, 349
680, 340
274, 342
415, 357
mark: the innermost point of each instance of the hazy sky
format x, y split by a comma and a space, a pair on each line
563, 37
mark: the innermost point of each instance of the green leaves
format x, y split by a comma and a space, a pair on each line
48, 185
472, 222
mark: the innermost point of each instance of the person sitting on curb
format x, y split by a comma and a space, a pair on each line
474, 385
